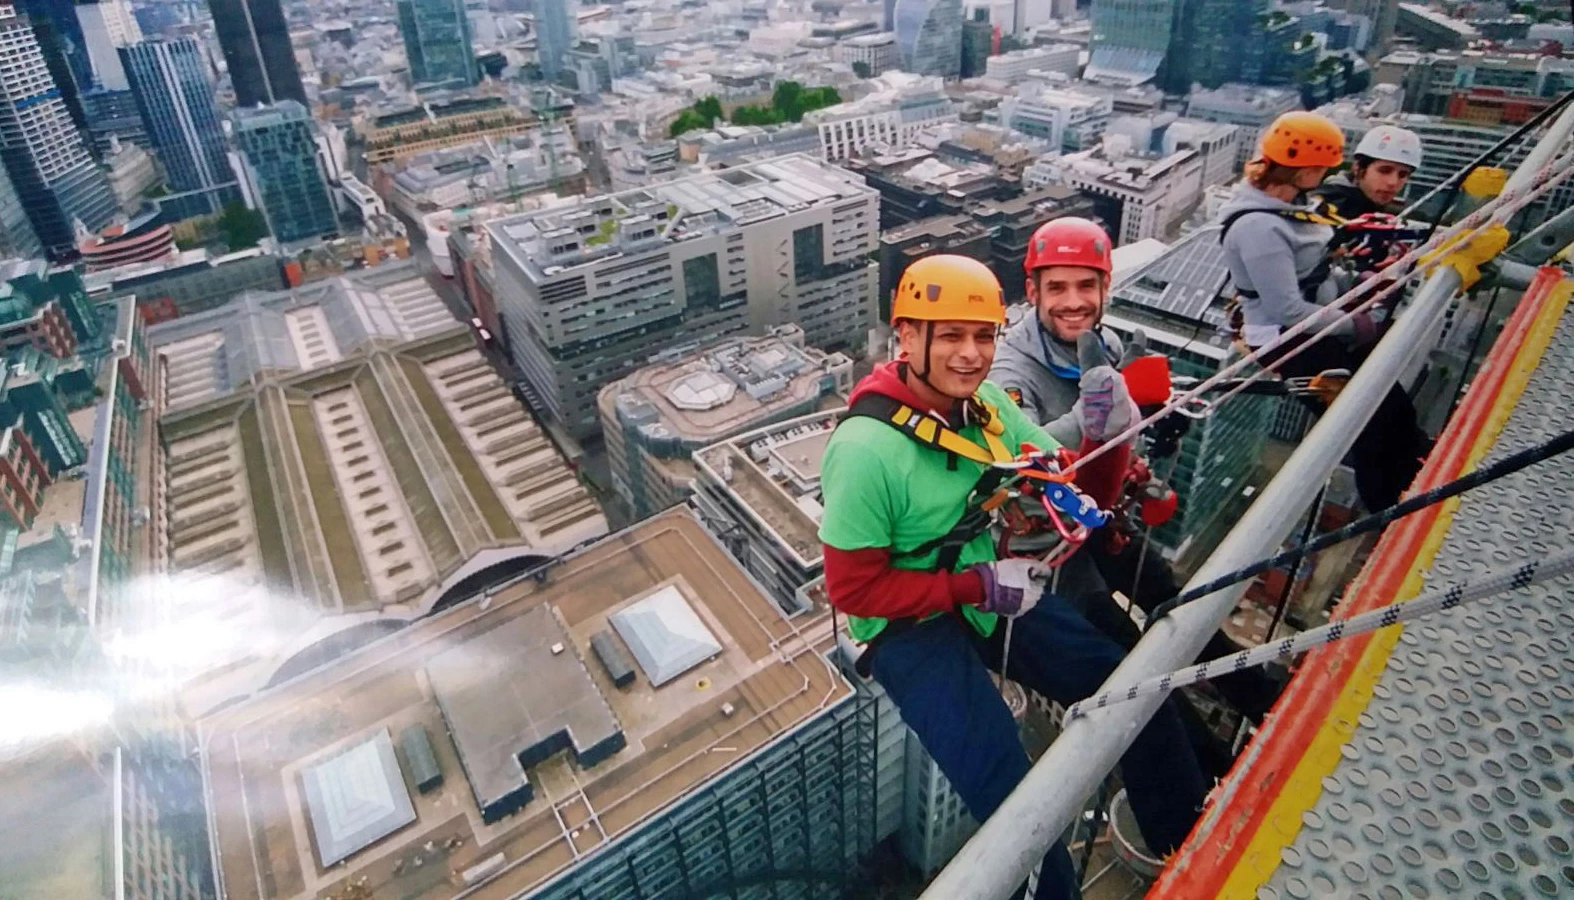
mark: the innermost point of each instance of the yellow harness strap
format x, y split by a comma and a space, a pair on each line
928, 430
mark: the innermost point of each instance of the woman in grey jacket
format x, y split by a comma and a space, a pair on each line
1277, 250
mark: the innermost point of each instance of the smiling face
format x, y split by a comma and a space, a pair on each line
1381, 180
958, 354
1069, 299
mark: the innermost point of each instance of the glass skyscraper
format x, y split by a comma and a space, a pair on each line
169, 80
1130, 39
556, 23
929, 36
437, 42
256, 43
281, 166
45, 155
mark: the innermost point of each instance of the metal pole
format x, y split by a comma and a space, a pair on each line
998, 858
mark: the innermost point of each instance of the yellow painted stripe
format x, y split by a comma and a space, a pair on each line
1305, 784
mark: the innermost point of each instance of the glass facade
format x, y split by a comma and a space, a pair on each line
256, 43
556, 21
169, 81
281, 164
929, 36
437, 42
45, 155
1130, 39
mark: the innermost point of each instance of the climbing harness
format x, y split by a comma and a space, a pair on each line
1531, 572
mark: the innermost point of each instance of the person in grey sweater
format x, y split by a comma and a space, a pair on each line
1277, 248
1037, 363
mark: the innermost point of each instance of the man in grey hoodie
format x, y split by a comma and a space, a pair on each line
1037, 364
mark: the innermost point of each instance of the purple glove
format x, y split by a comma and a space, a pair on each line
1366, 330
1105, 407
1012, 586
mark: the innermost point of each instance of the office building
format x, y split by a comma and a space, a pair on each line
107, 26
140, 238
653, 420
1433, 29
44, 153
1249, 106
256, 42
59, 32
191, 282
407, 131
557, 26
169, 80
915, 184
113, 116
17, 238
1433, 82
958, 234
1070, 120
402, 467
437, 42
1130, 39
1140, 193
929, 36
1012, 221
590, 291
279, 158
627, 810
877, 53
1177, 300
901, 106
978, 43
1057, 58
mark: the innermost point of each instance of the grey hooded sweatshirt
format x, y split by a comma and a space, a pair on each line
1269, 255
1021, 367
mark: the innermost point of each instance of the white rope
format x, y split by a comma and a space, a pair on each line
1531, 572
1498, 209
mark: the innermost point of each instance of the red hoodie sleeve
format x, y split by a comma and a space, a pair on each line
863, 583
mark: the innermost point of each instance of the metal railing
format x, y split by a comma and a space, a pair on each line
999, 858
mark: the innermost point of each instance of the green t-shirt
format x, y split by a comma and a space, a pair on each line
883, 489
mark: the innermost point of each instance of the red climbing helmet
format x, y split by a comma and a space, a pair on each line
1070, 241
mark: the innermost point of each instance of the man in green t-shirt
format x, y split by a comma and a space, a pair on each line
909, 558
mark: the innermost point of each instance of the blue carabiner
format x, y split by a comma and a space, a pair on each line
1079, 506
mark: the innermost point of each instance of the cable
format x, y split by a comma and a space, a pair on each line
1378, 520
1534, 571
1510, 201
1295, 564
1456, 181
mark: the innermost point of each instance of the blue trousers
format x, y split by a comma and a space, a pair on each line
937, 672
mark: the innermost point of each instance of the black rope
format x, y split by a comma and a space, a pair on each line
1296, 563
1377, 521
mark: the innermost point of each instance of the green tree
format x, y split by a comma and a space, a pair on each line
861, 69
787, 99
709, 108
242, 227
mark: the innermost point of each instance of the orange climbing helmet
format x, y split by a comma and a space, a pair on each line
949, 288
1300, 139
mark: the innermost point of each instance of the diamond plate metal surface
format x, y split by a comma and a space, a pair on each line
1459, 779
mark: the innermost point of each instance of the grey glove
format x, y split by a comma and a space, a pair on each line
1105, 408
1012, 586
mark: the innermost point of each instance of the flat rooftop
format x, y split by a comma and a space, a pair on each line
678, 736
63, 499
724, 389
551, 241
774, 474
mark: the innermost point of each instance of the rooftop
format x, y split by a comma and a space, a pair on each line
561, 239
339, 449
767, 681
774, 474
